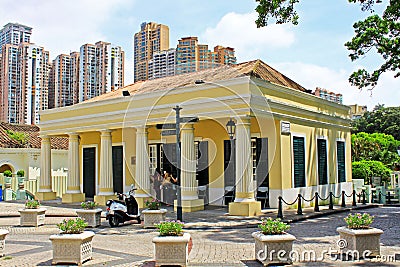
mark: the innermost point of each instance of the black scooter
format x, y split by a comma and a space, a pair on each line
122, 210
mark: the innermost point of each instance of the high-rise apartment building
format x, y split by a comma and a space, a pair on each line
151, 38
162, 64
24, 73
15, 33
330, 96
101, 69
192, 56
63, 81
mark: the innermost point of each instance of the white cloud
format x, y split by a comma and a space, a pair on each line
61, 26
239, 31
311, 76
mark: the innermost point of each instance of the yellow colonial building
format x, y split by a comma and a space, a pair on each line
258, 132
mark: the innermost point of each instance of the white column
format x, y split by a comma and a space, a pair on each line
142, 163
244, 163
188, 163
45, 165
106, 174
73, 164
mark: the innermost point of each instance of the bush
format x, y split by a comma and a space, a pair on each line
89, 205
20, 173
72, 226
359, 221
270, 226
170, 228
32, 204
366, 169
154, 204
7, 173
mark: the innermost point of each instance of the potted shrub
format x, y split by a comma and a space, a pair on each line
272, 239
171, 246
73, 244
153, 215
90, 213
32, 214
3, 234
358, 237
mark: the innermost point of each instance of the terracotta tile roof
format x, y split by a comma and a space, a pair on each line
255, 68
33, 137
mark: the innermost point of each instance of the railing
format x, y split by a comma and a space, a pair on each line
299, 200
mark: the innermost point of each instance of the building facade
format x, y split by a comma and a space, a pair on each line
163, 64
101, 69
357, 111
24, 82
15, 33
152, 38
328, 95
286, 141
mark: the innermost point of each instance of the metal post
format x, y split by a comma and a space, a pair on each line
380, 197
316, 206
388, 198
354, 204
299, 209
363, 197
330, 200
280, 212
178, 163
343, 199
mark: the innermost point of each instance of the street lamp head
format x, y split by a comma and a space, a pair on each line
231, 127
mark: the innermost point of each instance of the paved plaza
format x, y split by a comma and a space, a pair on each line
228, 243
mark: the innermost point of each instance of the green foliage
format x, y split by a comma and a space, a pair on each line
271, 226
379, 33
32, 204
366, 169
170, 228
154, 204
72, 226
380, 120
21, 138
376, 147
359, 221
20, 173
89, 205
7, 173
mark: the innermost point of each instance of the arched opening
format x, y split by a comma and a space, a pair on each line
5, 167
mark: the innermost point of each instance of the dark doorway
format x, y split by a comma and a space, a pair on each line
118, 168
169, 159
229, 171
89, 171
262, 171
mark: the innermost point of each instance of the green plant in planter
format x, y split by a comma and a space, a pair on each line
271, 226
32, 204
72, 226
154, 204
89, 205
170, 228
359, 221
20, 173
7, 173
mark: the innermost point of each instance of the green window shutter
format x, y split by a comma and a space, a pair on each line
322, 162
341, 162
299, 162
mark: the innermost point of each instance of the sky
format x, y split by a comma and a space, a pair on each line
312, 54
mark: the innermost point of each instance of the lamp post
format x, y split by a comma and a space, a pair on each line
178, 163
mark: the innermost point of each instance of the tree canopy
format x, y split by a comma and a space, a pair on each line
380, 120
380, 33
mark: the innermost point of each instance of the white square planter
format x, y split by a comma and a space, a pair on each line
273, 249
152, 217
92, 217
171, 250
363, 240
72, 248
3, 234
32, 217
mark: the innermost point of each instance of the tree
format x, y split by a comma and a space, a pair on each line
375, 147
380, 120
380, 33
366, 169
